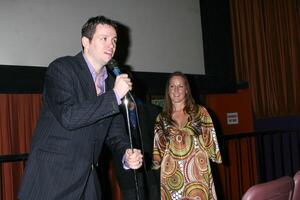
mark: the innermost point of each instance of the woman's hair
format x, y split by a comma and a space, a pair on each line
189, 101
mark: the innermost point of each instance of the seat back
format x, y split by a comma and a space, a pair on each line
279, 189
296, 194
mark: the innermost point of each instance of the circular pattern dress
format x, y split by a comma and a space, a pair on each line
183, 157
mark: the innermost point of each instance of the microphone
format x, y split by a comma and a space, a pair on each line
113, 67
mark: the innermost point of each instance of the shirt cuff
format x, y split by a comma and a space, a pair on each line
125, 166
118, 98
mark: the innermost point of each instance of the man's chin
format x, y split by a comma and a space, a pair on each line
109, 57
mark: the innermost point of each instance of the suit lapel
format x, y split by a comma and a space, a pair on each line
86, 77
109, 82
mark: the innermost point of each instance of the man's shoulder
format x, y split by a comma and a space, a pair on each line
67, 62
67, 59
149, 109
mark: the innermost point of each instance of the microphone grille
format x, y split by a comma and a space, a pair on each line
112, 63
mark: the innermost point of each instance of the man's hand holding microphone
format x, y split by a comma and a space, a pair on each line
132, 158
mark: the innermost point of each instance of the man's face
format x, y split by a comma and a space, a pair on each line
101, 48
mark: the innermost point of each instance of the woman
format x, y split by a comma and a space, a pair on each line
184, 141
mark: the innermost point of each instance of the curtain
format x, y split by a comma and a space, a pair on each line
18, 116
266, 43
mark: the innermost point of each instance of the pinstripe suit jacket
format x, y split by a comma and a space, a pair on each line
73, 125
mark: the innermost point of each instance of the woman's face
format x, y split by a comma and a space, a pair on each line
177, 89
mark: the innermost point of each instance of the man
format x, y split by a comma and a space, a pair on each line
77, 117
142, 117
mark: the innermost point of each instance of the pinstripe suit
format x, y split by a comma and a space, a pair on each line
73, 125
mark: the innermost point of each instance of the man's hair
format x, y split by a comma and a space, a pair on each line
89, 28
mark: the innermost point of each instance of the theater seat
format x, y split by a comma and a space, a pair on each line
279, 189
296, 194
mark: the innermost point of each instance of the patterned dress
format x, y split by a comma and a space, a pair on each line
184, 157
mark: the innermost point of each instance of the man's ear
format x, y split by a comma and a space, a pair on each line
85, 42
